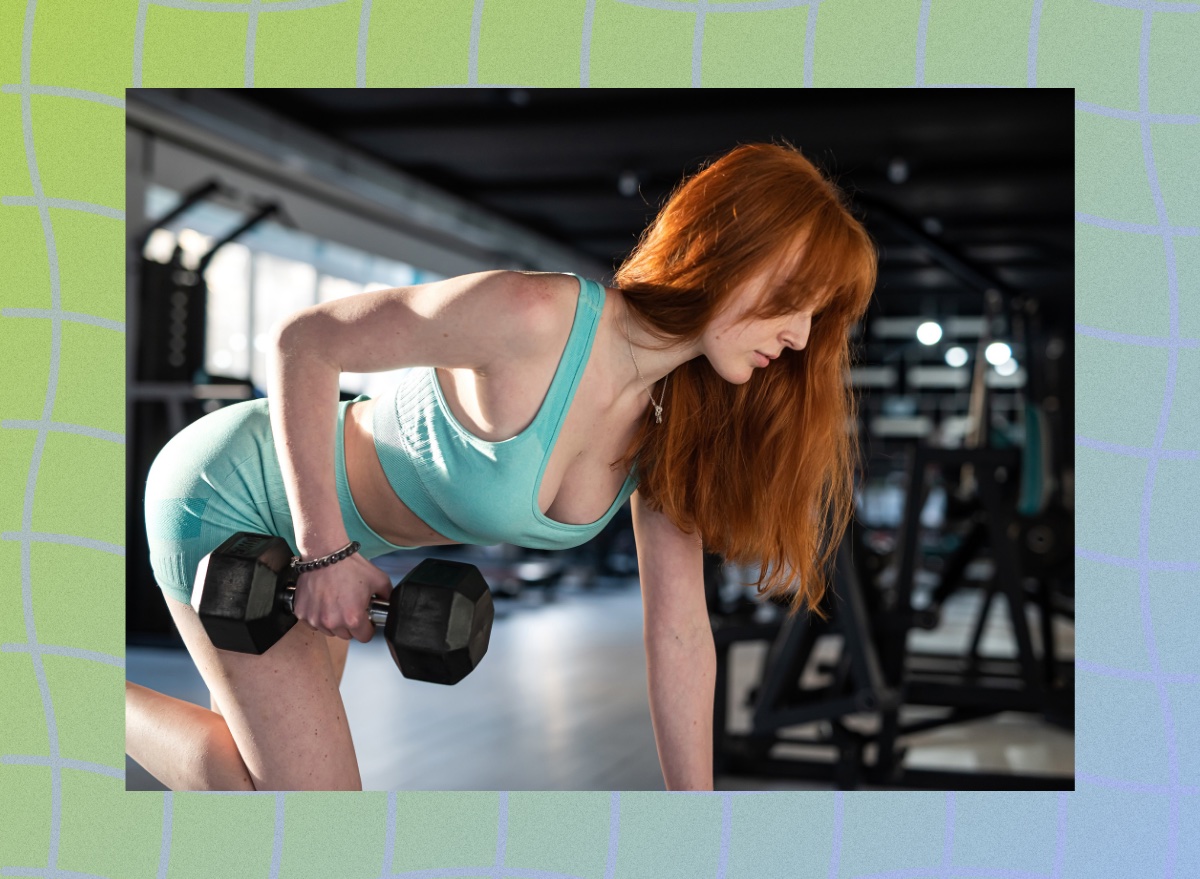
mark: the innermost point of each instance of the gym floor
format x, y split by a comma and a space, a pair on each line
559, 703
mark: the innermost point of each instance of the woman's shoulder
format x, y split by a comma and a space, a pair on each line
547, 303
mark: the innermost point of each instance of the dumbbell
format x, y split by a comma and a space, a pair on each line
437, 623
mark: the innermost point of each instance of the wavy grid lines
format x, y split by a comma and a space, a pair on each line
41, 873
702, 5
70, 652
499, 869
79, 765
62, 92
922, 32
1133, 451
252, 8
69, 204
25, 90
70, 316
701, 9
956, 873
698, 42
948, 836
614, 831
1035, 27
68, 539
585, 48
1137, 228
39, 668
1130, 339
1137, 115
1125, 674
1149, 6
1115, 561
107, 436
168, 823
389, 845
251, 43
501, 835
277, 850
473, 54
1150, 641
364, 30
954, 821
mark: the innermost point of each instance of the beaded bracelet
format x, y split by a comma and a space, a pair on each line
303, 567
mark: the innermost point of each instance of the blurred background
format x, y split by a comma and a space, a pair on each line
948, 661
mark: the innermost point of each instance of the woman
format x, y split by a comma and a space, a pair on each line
711, 379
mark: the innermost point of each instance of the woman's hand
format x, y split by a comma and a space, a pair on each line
335, 600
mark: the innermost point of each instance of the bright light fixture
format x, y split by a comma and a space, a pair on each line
929, 333
1007, 368
957, 356
998, 353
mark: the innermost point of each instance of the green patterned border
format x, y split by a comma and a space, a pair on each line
64, 65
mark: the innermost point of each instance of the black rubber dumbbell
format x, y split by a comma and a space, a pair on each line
437, 623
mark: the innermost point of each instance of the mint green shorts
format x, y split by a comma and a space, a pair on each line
220, 475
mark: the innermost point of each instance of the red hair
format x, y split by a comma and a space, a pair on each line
763, 471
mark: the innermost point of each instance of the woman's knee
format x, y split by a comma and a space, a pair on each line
283, 708
219, 763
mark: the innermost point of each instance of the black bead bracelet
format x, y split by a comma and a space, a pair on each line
304, 567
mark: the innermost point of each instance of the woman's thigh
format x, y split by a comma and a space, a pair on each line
338, 648
283, 708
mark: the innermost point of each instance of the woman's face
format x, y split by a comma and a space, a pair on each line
736, 345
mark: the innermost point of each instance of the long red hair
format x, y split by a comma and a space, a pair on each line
763, 471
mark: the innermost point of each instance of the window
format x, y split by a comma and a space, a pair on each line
281, 286
227, 348
270, 272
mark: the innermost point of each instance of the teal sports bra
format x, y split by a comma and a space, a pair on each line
475, 491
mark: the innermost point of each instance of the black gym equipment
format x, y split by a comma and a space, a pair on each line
437, 623
875, 674
170, 388
1016, 507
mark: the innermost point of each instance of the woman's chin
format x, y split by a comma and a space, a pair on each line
735, 374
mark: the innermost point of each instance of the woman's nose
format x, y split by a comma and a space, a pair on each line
797, 337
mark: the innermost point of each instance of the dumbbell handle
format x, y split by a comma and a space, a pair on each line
378, 609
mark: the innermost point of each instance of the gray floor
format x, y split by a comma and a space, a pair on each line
559, 703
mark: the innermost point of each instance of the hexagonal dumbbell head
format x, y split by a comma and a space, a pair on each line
239, 591
439, 622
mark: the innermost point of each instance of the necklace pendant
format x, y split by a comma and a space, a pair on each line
658, 414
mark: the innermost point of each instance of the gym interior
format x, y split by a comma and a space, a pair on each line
947, 661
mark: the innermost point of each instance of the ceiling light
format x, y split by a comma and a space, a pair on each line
1007, 368
929, 333
998, 353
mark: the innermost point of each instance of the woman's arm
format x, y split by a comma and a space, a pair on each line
303, 407
681, 660
468, 321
